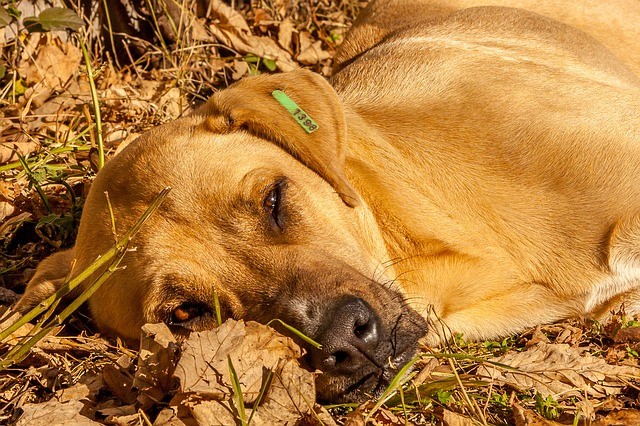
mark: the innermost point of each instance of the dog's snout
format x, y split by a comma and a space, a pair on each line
349, 335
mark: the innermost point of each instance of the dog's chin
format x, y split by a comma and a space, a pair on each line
367, 383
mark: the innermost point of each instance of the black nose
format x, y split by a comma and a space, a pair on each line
348, 337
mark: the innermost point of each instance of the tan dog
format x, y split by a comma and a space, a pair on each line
477, 168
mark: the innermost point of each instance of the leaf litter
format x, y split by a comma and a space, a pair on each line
568, 373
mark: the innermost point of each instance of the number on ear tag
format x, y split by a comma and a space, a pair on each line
304, 120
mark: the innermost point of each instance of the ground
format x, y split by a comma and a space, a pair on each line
169, 58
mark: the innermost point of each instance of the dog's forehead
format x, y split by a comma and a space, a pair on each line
184, 153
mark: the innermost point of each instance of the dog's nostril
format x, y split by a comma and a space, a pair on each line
351, 334
340, 357
362, 330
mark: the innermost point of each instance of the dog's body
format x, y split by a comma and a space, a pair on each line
484, 164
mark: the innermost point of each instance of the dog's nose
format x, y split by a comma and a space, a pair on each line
349, 337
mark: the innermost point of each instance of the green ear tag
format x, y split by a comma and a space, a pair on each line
304, 120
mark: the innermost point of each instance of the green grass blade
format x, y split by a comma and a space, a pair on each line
96, 104
266, 384
235, 383
216, 306
400, 379
34, 182
298, 333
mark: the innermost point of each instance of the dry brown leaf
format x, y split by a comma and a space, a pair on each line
199, 31
87, 388
285, 34
361, 416
109, 413
171, 417
560, 370
291, 396
204, 369
619, 418
628, 334
16, 337
451, 418
525, 417
156, 362
233, 31
311, 51
212, 413
172, 103
54, 413
10, 225
52, 67
22, 145
240, 68
119, 383
128, 420
254, 350
227, 15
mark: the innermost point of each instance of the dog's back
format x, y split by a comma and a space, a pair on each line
526, 133
615, 24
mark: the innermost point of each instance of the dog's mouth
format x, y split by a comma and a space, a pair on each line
368, 382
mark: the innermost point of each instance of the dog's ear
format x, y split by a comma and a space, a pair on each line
297, 110
48, 279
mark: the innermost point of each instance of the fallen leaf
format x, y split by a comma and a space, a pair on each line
291, 396
361, 416
232, 30
119, 411
262, 359
320, 417
9, 318
119, 383
212, 413
87, 388
203, 367
240, 68
53, 66
171, 417
21, 145
526, 417
54, 413
172, 103
285, 34
451, 418
619, 418
127, 420
558, 369
311, 51
628, 335
156, 362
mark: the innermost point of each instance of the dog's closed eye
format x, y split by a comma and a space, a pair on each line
188, 315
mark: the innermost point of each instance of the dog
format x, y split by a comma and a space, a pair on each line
466, 169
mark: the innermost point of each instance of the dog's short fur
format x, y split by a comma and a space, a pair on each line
475, 170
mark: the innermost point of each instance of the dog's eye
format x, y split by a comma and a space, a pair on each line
185, 313
272, 204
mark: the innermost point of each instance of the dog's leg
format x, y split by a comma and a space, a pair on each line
49, 277
623, 283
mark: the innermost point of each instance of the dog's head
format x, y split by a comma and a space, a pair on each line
260, 213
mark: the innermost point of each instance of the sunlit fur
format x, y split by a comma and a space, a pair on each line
484, 163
